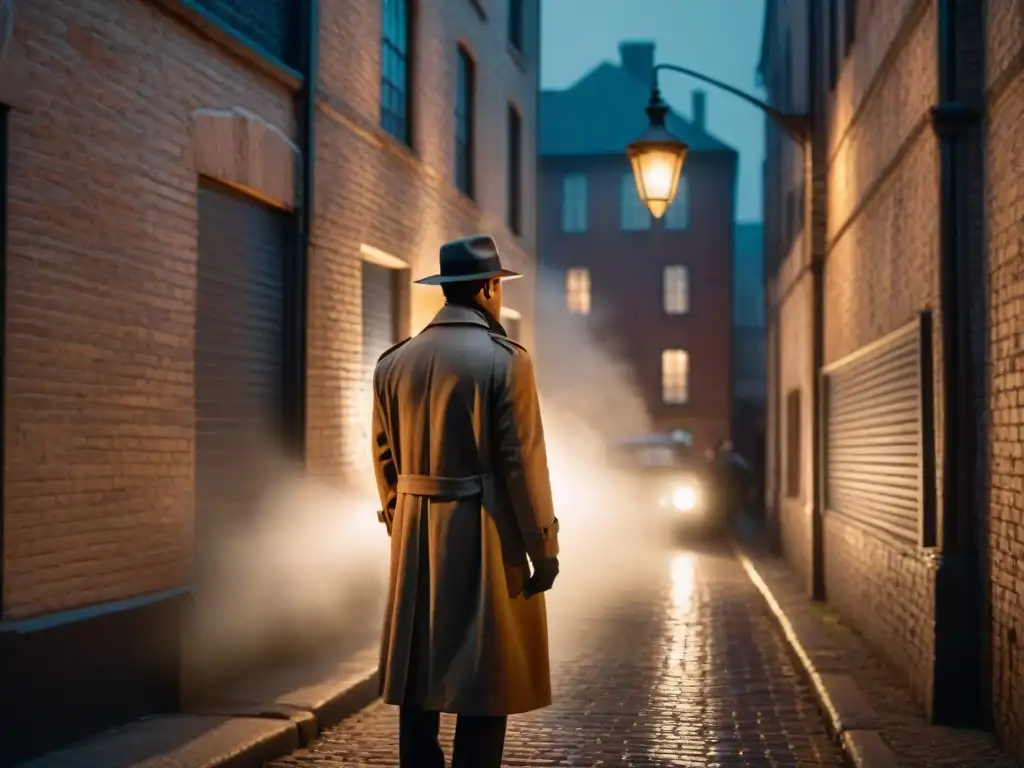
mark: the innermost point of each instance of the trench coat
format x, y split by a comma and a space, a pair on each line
460, 462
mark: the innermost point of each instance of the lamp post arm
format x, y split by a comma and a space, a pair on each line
796, 126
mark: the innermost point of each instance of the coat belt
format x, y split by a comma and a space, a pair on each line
442, 487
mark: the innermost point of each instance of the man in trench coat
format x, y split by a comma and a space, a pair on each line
461, 468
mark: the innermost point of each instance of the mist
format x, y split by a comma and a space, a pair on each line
306, 566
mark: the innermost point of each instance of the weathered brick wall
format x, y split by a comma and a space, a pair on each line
1005, 161
100, 298
881, 269
371, 190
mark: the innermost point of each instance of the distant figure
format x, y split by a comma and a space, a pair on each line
734, 479
462, 472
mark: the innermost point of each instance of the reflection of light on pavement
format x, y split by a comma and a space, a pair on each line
679, 686
682, 584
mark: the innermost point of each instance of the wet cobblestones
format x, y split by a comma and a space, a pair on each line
684, 668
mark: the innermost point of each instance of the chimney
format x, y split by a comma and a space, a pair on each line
638, 60
699, 112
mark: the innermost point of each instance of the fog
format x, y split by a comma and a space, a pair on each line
306, 568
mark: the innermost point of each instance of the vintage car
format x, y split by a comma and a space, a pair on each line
672, 480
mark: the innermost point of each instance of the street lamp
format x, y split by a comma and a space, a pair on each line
657, 158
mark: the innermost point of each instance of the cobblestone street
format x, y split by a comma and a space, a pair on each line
684, 668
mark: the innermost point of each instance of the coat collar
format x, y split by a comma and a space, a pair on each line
455, 314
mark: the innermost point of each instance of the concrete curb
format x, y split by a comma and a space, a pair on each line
239, 730
849, 715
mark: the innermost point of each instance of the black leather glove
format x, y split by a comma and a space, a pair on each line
544, 573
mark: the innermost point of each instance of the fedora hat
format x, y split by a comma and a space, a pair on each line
469, 258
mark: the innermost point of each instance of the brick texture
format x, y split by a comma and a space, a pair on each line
102, 249
627, 309
101, 298
373, 191
1005, 216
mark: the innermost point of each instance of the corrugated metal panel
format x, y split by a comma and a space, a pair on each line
380, 323
239, 349
875, 425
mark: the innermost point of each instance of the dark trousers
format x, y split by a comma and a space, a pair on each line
479, 741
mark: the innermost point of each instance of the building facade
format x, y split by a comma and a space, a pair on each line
656, 295
214, 211
749, 344
894, 255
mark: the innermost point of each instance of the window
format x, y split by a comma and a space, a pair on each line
574, 203
464, 123
515, 170
675, 376
515, 24
272, 25
678, 214
677, 289
395, 92
577, 291
833, 48
633, 213
849, 25
793, 444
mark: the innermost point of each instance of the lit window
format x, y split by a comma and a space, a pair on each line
574, 203
394, 71
677, 290
634, 213
675, 376
577, 291
678, 214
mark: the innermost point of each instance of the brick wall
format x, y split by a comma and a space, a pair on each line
881, 269
102, 248
372, 190
1005, 202
627, 317
100, 298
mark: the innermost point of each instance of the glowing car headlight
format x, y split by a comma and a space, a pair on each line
684, 498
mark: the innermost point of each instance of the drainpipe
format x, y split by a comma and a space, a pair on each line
305, 120
814, 231
960, 628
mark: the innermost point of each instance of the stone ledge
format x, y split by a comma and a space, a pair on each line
848, 712
245, 726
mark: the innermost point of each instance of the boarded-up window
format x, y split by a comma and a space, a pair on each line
879, 468
793, 452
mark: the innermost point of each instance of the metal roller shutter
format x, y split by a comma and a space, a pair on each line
240, 278
380, 322
879, 452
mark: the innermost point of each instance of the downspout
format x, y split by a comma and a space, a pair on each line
957, 697
813, 231
305, 120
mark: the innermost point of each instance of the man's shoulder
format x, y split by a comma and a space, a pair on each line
392, 348
509, 345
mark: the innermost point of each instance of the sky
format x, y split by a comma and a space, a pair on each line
720, 38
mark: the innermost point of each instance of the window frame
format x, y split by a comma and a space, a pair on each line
578, 288
627, 192
794, 444
578, 222
667, 378
465, 122
684, 291
514, 169
517, 25
397, 125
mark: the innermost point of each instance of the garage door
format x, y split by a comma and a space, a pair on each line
239, 362
380, 321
